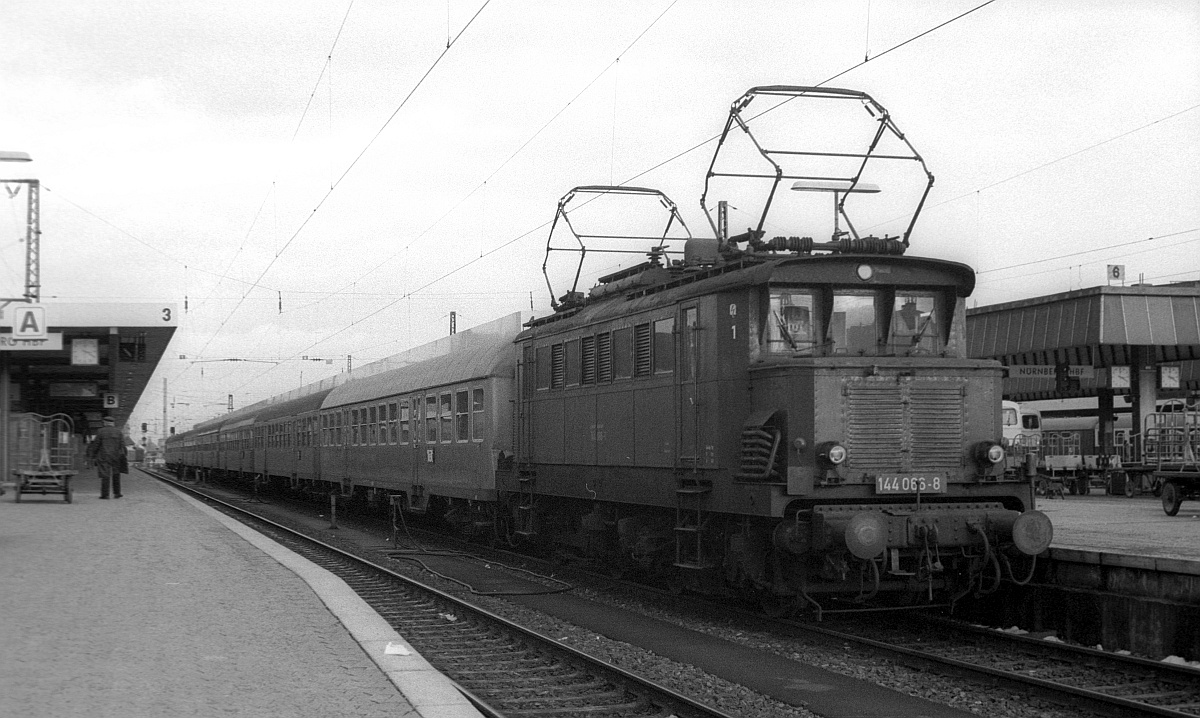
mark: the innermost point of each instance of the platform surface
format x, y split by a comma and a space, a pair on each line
1129, 526
154, 605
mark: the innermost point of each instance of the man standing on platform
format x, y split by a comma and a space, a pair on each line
107, 451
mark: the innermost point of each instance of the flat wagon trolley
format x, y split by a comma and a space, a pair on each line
1168, 453
45, 455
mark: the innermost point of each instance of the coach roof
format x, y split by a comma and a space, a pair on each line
467, 357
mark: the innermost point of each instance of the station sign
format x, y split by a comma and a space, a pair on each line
48, 343
1049, 371
29, 322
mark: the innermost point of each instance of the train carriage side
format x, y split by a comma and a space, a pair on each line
435, 431
237, 452
207, 446
289, 447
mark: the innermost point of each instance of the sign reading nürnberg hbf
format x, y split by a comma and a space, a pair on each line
49, 343
1049, 371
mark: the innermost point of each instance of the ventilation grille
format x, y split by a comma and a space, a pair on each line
604, 357
588, 346
904, 427
641, 350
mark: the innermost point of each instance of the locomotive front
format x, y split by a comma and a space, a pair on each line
888, 437
863, 400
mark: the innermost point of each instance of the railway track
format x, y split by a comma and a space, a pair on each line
1106, 683
505, 669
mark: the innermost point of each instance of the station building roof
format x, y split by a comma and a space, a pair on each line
1096, 327
97, 360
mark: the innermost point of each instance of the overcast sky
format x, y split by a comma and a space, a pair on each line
329, 179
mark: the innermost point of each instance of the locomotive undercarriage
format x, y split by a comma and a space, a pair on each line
820, 559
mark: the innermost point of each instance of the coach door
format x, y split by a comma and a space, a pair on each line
689, 398
421, 446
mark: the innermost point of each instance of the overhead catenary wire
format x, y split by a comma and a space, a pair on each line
349, 168
524, 145
545, 224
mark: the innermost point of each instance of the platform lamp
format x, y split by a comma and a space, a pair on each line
6, 156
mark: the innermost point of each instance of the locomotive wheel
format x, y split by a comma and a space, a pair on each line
1172, 498
1131, 484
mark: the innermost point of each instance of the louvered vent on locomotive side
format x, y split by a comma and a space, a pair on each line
894, 426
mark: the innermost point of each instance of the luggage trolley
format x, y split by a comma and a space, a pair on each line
45, 455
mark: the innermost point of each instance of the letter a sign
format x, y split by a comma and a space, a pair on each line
29, 323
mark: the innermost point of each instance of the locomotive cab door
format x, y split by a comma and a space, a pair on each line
687, 371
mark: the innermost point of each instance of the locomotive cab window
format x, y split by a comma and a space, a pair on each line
853, 324
915, 325
791, 322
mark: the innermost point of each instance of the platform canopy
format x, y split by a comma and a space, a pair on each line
96, 358
1093, 330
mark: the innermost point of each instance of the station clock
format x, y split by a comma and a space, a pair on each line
85, 352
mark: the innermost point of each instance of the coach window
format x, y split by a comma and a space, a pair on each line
573, 366
622, 352
446, 414
354, 427
915, 325
791, 326
853, 328
362, 426
431, 419
477, 414
374, 426
664, 346
462, 416
393, 423
383, 424
642, 348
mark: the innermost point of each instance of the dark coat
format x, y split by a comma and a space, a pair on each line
108, 447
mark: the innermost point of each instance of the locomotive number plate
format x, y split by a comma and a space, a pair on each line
910, 484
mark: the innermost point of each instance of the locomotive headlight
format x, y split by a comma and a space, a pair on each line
832, 452
989, 452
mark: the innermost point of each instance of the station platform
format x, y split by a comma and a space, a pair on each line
1121, 526
155, 605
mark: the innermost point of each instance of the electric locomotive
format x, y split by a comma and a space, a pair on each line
784, 417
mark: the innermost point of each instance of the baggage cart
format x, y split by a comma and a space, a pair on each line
44, 455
